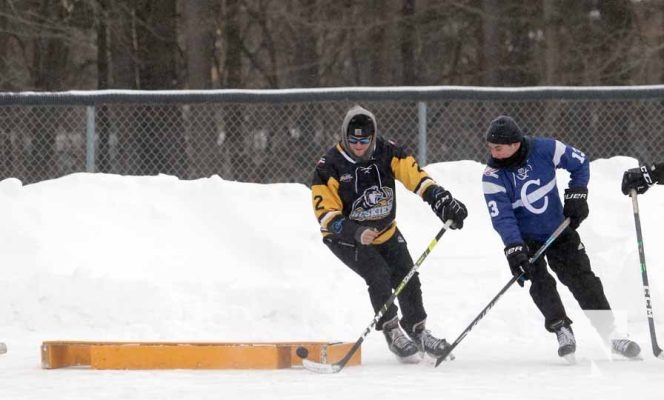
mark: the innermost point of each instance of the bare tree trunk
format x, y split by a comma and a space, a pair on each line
376, 45
161, 144
407, 33
490, 42
123, 74
299, 129
5, 81
235, 144
157, 50
50, 54
550, 42
651, 22
519, 60
103, 161
306, 54
6, 147
199, 27
123, 71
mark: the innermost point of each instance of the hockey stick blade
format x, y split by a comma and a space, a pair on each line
321, 368
493, 301
338, 366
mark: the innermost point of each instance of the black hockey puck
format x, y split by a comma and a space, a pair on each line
302, 352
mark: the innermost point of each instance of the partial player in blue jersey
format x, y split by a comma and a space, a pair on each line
522, 197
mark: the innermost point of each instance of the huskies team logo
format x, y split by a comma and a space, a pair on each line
375, 203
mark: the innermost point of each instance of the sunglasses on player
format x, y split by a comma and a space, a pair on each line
355, 140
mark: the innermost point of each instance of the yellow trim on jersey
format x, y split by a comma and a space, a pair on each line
326, 201
386, 234
408, 172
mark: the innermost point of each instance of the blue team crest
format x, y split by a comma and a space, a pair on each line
522, 173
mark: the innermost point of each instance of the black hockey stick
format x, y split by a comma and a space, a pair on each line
339, 365
493, 301
657, 351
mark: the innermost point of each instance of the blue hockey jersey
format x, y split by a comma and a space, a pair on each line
523, 202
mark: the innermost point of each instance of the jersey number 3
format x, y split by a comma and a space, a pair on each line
493, 208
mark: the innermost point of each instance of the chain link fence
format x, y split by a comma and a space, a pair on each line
277, 136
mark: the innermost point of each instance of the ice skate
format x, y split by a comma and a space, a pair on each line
566, 341
625, 348
400, 344
429, 344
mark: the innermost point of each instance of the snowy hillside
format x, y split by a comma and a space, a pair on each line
107, 257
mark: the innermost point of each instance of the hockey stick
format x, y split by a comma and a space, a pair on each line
493, 301
339, 365
657, 351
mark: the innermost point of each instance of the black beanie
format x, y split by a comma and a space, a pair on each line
503, 130
360, 125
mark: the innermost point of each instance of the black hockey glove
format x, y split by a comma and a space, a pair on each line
638, 179
517, 257
445, 206
576, 206
344, 229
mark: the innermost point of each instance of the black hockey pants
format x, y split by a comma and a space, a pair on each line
383, 267
568, 259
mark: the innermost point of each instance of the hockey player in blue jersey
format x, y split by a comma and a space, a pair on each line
522, 197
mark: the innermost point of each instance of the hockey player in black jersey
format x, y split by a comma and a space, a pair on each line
354, 200
640, 179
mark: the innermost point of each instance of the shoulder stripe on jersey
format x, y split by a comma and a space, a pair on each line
537, 194
492, 188
558, 152
326, 217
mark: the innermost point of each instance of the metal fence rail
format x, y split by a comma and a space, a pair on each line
278, 135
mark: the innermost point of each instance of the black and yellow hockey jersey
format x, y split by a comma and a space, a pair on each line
347, 193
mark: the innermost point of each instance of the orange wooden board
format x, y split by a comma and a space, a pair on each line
191, 355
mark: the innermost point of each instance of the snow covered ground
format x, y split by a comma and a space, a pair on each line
107, 257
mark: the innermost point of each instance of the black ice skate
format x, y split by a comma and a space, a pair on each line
429, 344
625, 348
566, 341
399, 343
